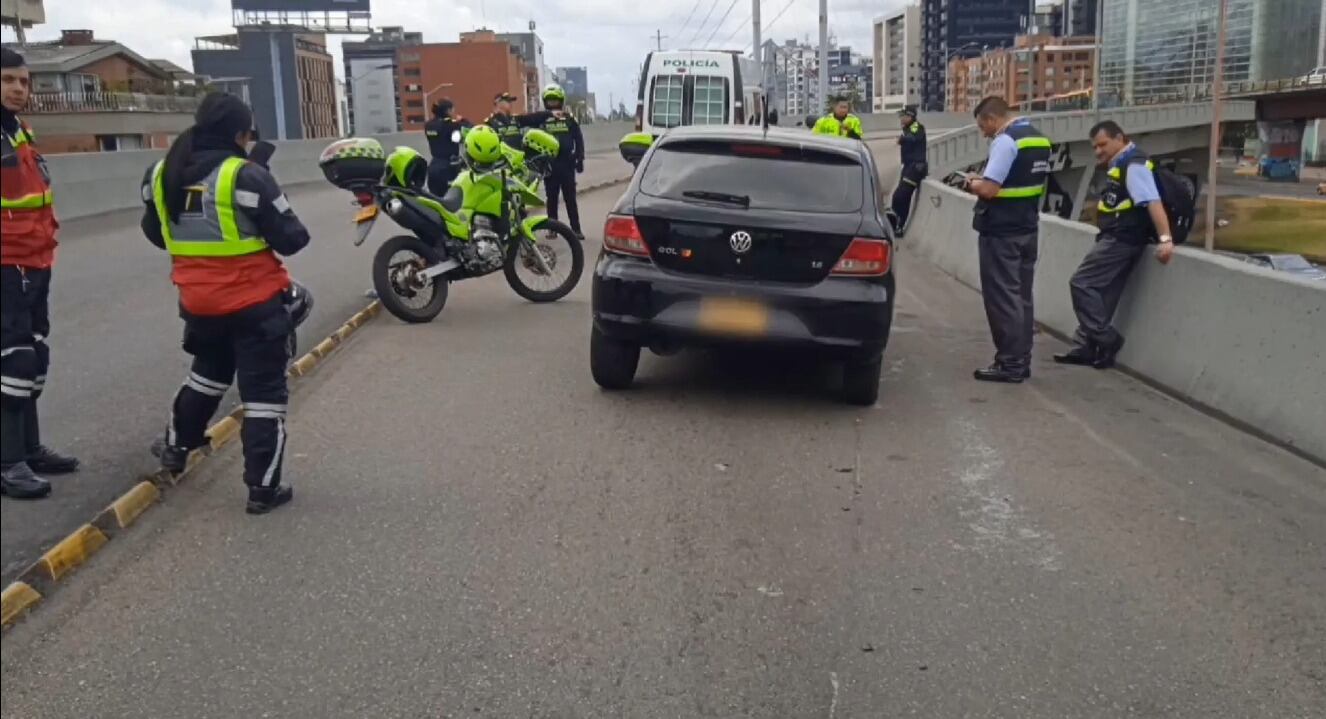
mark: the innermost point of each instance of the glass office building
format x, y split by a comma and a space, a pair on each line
1157, 51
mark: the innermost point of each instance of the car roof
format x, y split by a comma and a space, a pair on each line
772, 136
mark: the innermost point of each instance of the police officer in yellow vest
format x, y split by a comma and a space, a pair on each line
503, 121
914, 165
841, 122
1007, 220
223, 219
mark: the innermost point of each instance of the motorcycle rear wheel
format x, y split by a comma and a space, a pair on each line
395, 268
558, 245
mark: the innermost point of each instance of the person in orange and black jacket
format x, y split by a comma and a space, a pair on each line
27, 253
224, 219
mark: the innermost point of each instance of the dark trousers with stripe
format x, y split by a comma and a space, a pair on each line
249, 346
562, 184
24, 358
908, 180
1008, 271
1097, 286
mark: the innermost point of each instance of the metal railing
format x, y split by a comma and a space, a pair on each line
71, 102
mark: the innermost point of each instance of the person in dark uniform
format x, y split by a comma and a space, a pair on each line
27, 254
570, 160
1130, 217
914, 167
503, 122
445, 164
1007, 219
223, 219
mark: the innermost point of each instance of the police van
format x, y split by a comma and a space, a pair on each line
696, 87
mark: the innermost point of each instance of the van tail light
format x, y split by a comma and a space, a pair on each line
622, 235
865, 258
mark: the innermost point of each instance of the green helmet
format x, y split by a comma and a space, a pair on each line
554, 92
406, 168
538, 142
483, 146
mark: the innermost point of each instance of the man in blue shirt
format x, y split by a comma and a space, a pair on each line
1130, 216
1007, 219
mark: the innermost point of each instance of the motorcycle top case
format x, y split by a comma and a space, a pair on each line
353, 163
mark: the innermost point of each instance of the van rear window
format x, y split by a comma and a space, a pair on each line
773, 177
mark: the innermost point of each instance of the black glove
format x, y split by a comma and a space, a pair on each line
580, 167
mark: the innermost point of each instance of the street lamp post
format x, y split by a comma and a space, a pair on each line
440, 86
1213, 158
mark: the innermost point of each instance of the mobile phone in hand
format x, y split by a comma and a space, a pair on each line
262, 152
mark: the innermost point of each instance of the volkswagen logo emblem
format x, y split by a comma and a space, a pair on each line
740, 242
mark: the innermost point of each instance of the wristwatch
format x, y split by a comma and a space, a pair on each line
1166, 239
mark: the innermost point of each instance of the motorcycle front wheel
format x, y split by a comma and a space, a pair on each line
547, 270
405, 293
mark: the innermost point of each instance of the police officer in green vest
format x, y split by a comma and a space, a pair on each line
223, 219
914, 165
1007, 220
503, 122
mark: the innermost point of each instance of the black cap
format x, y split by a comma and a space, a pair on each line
223, 114
908, 111
10, 58
499, 97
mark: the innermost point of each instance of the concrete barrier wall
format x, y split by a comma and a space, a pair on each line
1246, 342
93, 183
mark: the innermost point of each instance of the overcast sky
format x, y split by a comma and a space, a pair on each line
610, 37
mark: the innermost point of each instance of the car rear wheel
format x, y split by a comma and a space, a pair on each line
612, 362
861, 382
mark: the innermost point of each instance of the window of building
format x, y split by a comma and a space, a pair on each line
412, 72
415, 119
414, 103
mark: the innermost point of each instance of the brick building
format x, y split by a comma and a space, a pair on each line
1053, 70
92, 95
470, 72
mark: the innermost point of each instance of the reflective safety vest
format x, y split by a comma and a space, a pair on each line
209, 225
830, 125
28, 223
506, 128
1115, 213
1016, 209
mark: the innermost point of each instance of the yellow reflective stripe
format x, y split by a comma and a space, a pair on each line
1113, 173
230, 244
1020, 192
28, 202
225, 199
1125, 205
1027, 142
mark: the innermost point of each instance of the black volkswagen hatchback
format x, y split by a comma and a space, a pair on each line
744, 235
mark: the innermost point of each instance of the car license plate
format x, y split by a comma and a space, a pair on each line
727, 316
366, 214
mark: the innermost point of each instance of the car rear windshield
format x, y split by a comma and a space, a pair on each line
771, 177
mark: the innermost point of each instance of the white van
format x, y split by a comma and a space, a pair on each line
696, 87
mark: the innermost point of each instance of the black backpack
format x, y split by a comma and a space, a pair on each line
1178, 194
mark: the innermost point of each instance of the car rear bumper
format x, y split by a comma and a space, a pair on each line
636, 301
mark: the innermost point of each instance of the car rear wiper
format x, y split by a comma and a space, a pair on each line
743, 200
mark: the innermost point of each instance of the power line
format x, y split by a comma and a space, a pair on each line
719, 26
704, 22
740, 26
689, 17
771, 22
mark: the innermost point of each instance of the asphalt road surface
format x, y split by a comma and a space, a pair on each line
480, 531
116, 358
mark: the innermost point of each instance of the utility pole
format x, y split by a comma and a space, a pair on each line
1100, 52
659, 37
824, 57
1213, 157
755, 30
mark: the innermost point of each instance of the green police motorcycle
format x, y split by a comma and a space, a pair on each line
484, 223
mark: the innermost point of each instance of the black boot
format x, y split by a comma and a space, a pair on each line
173, 459
1082, 355
45, 460
264, 499
999, 373
20, 482
1105, 357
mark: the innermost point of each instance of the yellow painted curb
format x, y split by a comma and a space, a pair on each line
78, 547
15, 600
135, 502
72, 551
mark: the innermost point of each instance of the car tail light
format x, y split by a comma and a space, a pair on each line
622, 235
865, 258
